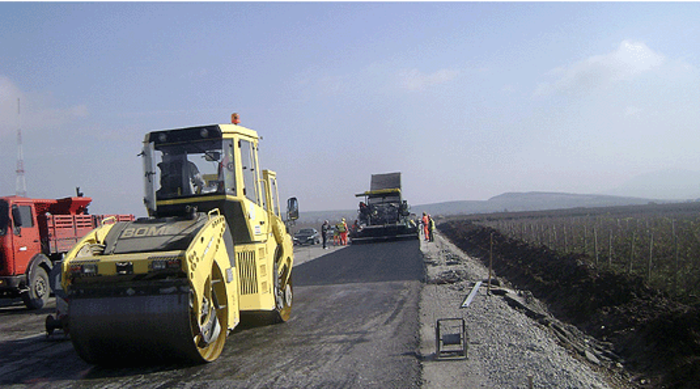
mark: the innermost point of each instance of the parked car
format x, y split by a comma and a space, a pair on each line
307, 236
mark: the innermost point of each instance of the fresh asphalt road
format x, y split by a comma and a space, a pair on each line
354, 324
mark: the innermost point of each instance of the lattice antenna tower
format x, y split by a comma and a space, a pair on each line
21, 188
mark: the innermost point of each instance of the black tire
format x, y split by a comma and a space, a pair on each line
39, 290
52, 325
283, 299
283, 295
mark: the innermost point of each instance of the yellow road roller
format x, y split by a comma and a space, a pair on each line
214, 247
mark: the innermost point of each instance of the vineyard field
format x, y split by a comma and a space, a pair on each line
658, 242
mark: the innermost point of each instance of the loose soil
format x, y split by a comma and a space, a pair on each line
656, 338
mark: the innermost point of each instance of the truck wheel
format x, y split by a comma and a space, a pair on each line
39, 291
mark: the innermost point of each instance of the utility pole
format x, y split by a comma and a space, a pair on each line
21, 188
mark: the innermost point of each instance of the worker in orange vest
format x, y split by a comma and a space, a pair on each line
426, 226
431, 227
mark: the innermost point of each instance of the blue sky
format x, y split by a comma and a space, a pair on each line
467, 100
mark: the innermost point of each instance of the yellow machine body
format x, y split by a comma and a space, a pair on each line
214, 246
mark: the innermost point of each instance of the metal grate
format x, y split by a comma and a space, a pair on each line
451, 339
247, 272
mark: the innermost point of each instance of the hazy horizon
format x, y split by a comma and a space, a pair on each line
467, 100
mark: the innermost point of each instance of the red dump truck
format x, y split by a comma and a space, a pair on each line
34, 235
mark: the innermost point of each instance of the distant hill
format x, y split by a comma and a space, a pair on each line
511, 201
529, 201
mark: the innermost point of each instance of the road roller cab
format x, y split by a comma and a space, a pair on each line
214, 246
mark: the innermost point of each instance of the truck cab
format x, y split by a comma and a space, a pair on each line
25, 260
34, 234
20, 243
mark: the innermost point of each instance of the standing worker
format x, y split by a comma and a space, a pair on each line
431, 228
426, 226
324, 232
342, 228
354, 229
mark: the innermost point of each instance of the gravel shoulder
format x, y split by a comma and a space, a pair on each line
506, 348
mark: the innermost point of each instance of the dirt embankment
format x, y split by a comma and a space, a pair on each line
657, 338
